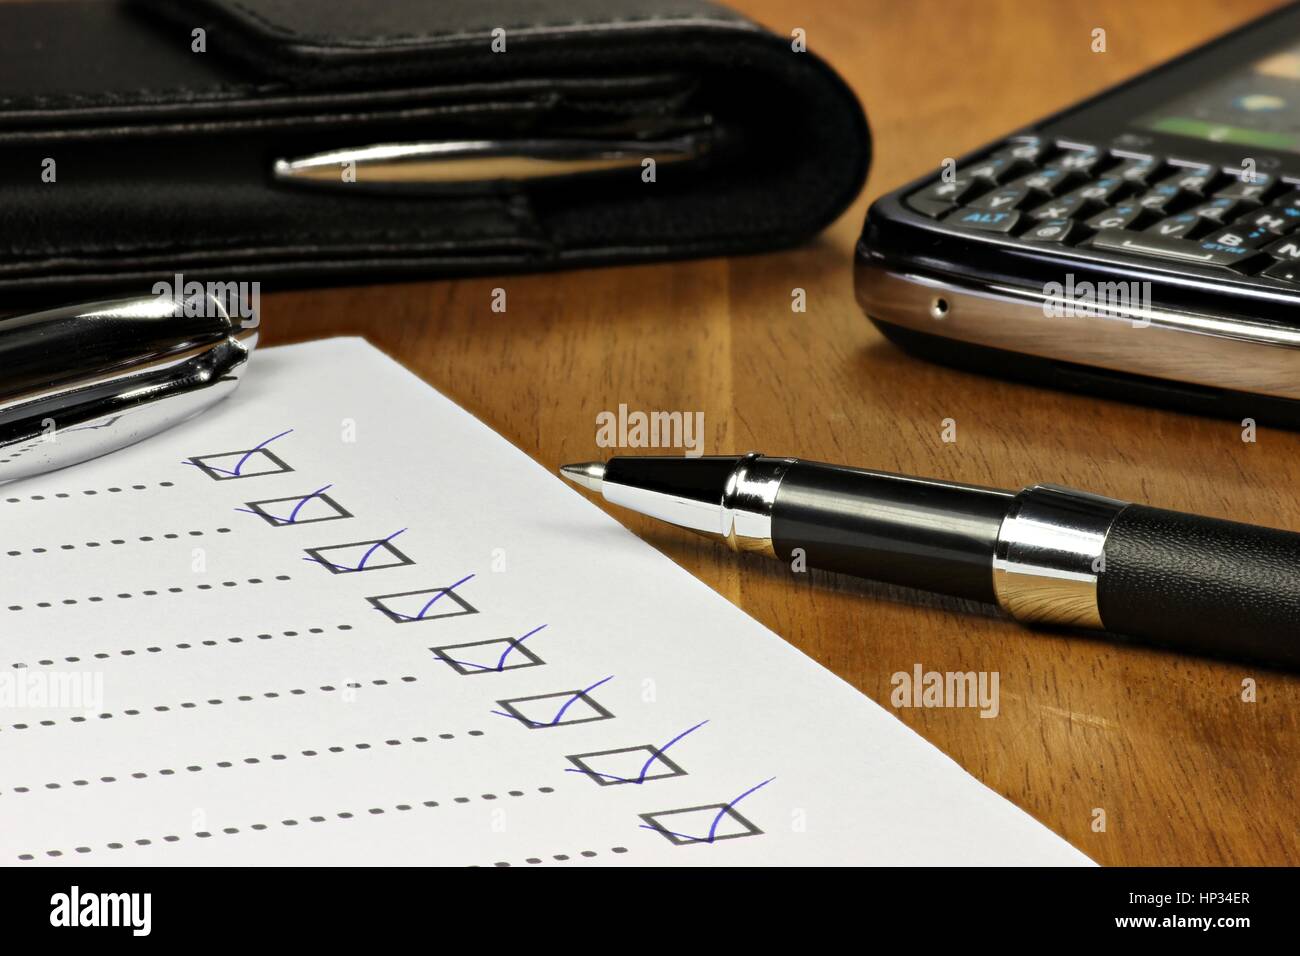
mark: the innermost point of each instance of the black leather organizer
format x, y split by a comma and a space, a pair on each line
163, 156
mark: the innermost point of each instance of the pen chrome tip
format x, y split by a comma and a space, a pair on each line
589, 474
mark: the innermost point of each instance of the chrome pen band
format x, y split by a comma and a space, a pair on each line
1050, 555
747, 503
741, 514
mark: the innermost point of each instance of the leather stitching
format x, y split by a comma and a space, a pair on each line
130, 97
511, 209
134, 96
266, 22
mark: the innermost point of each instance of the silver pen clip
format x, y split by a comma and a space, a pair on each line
474, 164
82, 381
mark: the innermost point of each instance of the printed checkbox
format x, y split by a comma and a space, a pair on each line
428, 604
555, 710
298, 509
229, 465
376, 555
487, 657
707, 824
609, 768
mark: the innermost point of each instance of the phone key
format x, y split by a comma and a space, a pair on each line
984, 220
1219, 209
1249, 190
1028, 150
1195, 179
1176, 227
1234, 238
1117, 217
1053, 230
1286, 271
951, 190
1291, 199
993, 170
1136, 171
1048, 181
1061, 208
1076, 160
930, 207
1102, 191
1290, 213
1272, 219
1288, 249
1008, 197
1158, 197
1181, 250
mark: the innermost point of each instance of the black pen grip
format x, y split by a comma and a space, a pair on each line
1206, 585
916, 532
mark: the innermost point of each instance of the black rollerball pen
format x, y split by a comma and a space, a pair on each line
1045, 555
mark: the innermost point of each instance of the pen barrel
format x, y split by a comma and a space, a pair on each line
933, 535
1202, 584
77, 345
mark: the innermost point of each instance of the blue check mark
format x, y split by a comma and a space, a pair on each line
430, 603
645, 768
513, 644
713, 827
239, 466
559, 715
361, 565
297, 508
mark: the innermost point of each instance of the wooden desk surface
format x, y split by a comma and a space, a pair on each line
1186, 772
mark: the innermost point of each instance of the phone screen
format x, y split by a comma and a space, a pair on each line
1255, 105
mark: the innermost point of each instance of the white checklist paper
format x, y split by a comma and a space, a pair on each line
337, 620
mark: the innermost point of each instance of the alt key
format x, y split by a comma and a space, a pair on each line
984, 220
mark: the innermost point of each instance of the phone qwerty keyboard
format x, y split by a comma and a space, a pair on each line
1175, 210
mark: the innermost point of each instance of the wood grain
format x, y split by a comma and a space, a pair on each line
1186, 772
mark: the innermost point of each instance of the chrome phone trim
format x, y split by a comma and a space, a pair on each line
1201, 349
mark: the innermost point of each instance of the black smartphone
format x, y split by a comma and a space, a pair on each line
1143, 244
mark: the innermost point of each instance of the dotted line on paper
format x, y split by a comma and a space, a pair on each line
144, 538
124, 596
89, 491
214, 702
557, 857
246, 761
183, 646
231, 831
18, 452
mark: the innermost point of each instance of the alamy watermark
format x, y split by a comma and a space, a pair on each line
76, 908
1110, 300
658, 429
240, 300
974, 689
53, 690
